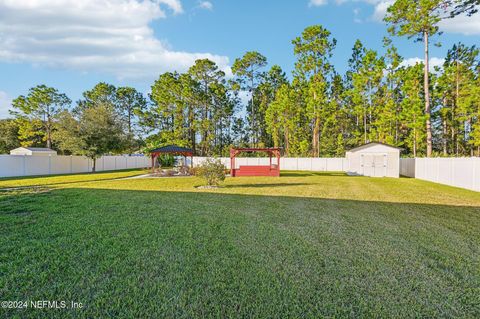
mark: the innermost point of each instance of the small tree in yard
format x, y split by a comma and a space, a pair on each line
212, 170
95, 131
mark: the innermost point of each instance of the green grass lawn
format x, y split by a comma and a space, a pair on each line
302, 245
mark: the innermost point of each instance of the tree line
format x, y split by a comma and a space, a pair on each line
315, 112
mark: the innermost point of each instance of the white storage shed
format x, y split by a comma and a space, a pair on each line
375, 160
36, 151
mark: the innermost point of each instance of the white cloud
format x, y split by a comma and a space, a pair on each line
356, 16
207, 5
462, 24
433, 62
5, 105
112, 36
380, 9
175, 5
317, 3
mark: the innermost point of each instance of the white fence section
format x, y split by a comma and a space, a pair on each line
407, 167
459, 172
314, 164
288, 163
20, 165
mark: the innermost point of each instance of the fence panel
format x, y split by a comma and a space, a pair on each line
304, 164
131, 161
463, 169
476, 175
459, 172
286, 163
407, 167
12, 165
59, 165
336, 164
38, 165
19, 165
444, 170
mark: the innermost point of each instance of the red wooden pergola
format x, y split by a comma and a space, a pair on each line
257, 170
171, 149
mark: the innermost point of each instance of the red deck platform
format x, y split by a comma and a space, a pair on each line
258, 170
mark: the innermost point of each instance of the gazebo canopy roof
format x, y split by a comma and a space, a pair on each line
172, 149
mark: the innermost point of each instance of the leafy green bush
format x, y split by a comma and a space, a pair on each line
212, 171
166, 160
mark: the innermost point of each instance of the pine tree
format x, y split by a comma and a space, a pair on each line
313, 50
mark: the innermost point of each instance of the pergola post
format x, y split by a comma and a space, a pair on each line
278, 160
232, 163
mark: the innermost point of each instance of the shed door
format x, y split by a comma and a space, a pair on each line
374, 165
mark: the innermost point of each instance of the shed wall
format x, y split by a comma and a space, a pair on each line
354, 159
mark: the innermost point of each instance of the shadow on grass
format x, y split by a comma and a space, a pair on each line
221, 251
308, 173
96, 174
258, 185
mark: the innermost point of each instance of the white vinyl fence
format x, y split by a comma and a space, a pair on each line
407, 167
287, 163
20, 165
459, 172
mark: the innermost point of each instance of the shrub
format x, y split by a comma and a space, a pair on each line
212, 171
166, 160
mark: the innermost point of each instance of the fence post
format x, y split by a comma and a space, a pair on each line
24, 165
49, 164
71, 164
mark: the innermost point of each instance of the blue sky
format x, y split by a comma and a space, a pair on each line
72, 45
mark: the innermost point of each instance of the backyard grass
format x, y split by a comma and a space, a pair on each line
302, 245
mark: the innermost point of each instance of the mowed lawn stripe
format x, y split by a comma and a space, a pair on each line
296, 246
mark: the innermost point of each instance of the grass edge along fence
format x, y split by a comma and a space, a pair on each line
28, 165
458, 172
463, 172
